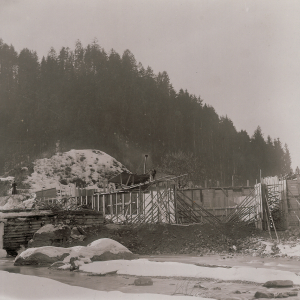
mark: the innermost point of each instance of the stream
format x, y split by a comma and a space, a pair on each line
124, 283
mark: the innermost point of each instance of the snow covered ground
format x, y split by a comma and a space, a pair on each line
91, 166
144, 267
289, 249
17, 286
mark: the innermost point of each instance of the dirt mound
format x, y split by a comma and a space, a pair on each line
175, 239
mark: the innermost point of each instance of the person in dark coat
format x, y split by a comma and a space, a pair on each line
152, 174
14, 188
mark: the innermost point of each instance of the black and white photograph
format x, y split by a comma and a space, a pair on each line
149, 149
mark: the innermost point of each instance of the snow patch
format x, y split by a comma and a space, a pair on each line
9, 178
144, 267
106, 244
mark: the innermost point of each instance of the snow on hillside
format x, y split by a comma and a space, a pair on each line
63, 170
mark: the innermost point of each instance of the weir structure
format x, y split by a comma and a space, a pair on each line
272, 204
162, 201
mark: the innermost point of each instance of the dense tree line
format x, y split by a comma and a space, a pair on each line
88, 98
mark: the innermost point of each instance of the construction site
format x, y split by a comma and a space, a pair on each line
270, 207
159, 222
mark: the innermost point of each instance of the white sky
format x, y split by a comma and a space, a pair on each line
241, 57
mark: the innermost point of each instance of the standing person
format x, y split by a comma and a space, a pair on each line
152, 174
14, 188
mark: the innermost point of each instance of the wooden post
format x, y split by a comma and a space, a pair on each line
123, 204
284, 198
98, 202
260, 175
168, 197
129, 208
103, 207
137, 208
111, 206
265, 216
143, 200
248, 182
151, 195
117, 204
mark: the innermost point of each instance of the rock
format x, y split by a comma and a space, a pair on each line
110, 250
113, 256
81, 230
199, 286
50, 235
263, 295
78, 237
143, 281
281, 295
76, 234
75, 231
237, 292
74, 266
293, 293
41, 256
278, 283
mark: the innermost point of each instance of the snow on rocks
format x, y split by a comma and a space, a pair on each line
41, 256
99, 250
18, 286
62, 169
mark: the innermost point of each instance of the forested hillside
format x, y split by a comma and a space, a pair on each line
89, 98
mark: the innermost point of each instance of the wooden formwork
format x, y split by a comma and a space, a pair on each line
168, 204
156, 204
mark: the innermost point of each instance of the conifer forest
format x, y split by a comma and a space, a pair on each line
89, 98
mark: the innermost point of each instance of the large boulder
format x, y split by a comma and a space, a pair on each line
41, 256
50, 235
279, 283
99, 250
143, 281
108, 249
263, 295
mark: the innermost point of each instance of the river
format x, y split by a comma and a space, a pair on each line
124, 283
